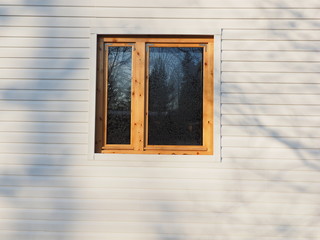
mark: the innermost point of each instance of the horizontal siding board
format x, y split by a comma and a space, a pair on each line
270, 88
216, 3
58, 138
43, 95
165, 195
44, 32
212, 13
31, 63
148, 227
290, 67
270, 99
44, 127
204, 26
264, 45
284, 121
29, 148
234, 152
29, 116
63, 106
84, 3
228, 163
40, 19
49, 11
179, 3
17, 235
176, 173
270, 131
14, 184
289, 110
25, 52
175, 217
269, 77
288, 56
44, 84
158, 12
271, 142
182, 206
78, 74
312, 35
43, 43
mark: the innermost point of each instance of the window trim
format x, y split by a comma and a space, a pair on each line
95, 32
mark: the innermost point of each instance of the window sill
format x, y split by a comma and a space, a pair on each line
153, 157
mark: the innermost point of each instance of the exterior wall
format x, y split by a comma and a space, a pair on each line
267, 184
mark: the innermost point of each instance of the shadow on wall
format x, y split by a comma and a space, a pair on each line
270, 114
43, 99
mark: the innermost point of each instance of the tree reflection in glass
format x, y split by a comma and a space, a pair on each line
119, 95
175, 96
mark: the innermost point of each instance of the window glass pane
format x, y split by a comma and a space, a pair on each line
119, 95
175, 96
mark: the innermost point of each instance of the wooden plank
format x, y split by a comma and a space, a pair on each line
270, 77
29, 116
312, 35
286, 67
43, 43
58, 138
61, 52
32, 63
271, 88
44, 32
45, 95
258, 120
263, 45
270, 142
279, 56
17, 84
138, 94
49, 127
77, 74
290, 110
276, 99
270, 131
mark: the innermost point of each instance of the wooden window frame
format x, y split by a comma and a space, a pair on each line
139, 95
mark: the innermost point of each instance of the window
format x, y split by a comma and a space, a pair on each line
154, 95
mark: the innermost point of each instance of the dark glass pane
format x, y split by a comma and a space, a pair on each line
175, 96
119, 95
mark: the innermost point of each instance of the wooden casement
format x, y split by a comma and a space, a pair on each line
139, 95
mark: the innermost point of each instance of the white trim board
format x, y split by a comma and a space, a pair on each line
140, 157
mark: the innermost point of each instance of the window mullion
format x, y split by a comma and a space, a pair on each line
138, 96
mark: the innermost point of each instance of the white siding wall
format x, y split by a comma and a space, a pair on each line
267, 185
